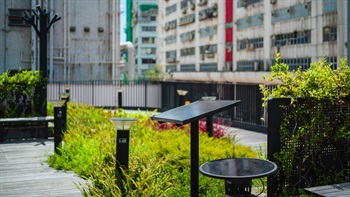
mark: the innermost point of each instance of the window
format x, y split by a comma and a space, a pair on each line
148, 50
153, 18
329, 6
187, 51
333, 61
170, 39
148, 61
329, 34
245, 3
148, 28
250, 43
148, 40
300, 37
15, 17
295, 63
170, 9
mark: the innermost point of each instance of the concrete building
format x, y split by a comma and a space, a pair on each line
83, 45
236, 41
144, 26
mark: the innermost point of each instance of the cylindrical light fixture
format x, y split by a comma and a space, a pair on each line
182, 94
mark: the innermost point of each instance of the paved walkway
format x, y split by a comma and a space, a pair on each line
250, 138
24, 172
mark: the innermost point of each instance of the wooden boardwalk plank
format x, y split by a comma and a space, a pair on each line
23, 171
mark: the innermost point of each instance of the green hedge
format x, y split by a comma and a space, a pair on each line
17, 93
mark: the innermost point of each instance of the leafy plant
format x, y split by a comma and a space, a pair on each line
159, 159
17, 93
315, 132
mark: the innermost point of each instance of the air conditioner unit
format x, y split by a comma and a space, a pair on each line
229, 49
326, 29
191, 37
210, 55
290, 10
256, 66
192, 6
166, 27
251, 46
275, 14
308, 6
273, 1
202, 2
244, 3
170, 59
202, 16
184, 11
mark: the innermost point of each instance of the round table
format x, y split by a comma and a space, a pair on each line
238, 173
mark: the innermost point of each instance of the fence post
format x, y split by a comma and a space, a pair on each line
275, 117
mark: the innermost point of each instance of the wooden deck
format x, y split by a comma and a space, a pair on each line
23, 171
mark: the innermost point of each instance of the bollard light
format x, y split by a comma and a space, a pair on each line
123, 126
59, 120
120, 99
182, 94
209, 119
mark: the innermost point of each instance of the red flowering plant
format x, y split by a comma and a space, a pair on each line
220, 127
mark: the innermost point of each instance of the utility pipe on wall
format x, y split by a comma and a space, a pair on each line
131, 60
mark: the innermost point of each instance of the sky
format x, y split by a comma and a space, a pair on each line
122, 20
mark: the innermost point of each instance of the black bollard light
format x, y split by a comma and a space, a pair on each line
59, 116
123, 126
209, 119
120, 99
182, 94
67, 89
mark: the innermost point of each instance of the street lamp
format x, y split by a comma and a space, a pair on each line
182, 94
209, 119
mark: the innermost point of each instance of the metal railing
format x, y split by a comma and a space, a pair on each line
163, 96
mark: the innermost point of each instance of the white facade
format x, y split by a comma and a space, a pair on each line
145, 13
191, 35
302, 31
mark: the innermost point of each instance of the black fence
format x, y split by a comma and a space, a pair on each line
316, 142
163, 96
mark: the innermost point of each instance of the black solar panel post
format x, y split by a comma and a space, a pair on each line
192, 113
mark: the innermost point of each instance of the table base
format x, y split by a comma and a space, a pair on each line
238, 187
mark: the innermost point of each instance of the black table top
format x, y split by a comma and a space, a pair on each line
238, 168
195, 111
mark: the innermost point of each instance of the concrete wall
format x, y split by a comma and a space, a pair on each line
15, 45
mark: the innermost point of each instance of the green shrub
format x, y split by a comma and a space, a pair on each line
317, 123
159, 161
17, 93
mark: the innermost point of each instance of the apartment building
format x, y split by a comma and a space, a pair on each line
237, 41
144, 27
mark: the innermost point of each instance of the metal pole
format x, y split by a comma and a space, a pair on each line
43, 61
348, 33
194, 158
210, 129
